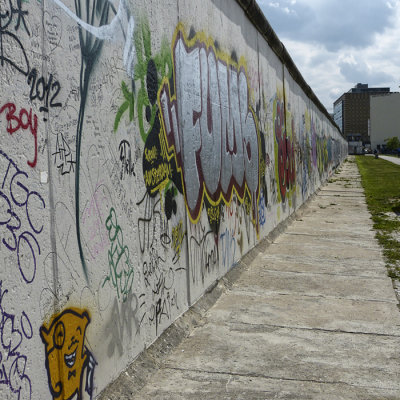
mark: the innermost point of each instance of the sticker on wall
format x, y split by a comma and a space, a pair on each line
69, 363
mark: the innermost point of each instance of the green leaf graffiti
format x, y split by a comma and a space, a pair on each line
149, 71
128, 103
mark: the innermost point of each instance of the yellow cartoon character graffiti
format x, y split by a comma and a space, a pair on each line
67, 358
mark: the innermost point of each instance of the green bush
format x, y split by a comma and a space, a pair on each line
392, 143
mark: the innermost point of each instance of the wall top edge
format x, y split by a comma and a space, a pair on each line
261, 23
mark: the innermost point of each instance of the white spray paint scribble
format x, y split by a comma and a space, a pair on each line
120, 29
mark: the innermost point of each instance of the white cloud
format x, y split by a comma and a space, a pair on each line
332, 23
361, 71
336, 44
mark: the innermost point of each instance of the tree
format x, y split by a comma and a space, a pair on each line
392, 143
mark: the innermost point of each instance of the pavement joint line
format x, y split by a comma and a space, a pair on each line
308, 258
312, 329
379, 250
377, 278
277, 378
331, 239
350, 193
350, 241
340, 196
350, 236
344, 191
316, 296
347, 239
345, 261
326, 239
332, 262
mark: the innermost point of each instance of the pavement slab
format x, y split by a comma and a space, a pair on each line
192, 385
311, 316
368, 361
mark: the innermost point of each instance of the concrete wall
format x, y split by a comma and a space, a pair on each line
145, 147
385, 119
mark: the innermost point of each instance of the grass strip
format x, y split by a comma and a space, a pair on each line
381, 182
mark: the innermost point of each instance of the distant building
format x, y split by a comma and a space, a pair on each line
355, 144
385, 119
352, 111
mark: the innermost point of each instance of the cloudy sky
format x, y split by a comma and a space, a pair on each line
338, 43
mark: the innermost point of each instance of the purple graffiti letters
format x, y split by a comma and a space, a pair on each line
18, 226
13, 364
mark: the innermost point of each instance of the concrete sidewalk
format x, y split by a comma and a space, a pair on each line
312, 316
393, 159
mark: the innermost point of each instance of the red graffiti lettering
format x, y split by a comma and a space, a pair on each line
24, 121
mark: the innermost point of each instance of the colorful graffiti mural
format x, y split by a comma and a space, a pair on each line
284, 149
139, 161
210, 125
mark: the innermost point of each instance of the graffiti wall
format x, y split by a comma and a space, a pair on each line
144, 149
